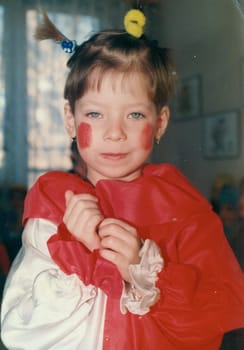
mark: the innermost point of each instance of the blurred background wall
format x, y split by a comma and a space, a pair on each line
207, 39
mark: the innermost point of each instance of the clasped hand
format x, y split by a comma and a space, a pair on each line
116, 240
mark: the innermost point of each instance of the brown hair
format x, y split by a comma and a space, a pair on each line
118, 51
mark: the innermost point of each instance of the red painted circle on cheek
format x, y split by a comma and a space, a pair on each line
84, 135
146, 136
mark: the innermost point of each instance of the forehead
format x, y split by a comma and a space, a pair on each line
125, 82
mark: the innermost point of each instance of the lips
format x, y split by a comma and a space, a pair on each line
114, 156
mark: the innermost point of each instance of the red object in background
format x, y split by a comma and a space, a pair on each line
4, 260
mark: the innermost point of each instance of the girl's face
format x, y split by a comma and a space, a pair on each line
115, 127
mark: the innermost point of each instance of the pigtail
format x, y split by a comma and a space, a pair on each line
47, 30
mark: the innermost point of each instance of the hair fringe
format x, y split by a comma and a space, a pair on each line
47, 30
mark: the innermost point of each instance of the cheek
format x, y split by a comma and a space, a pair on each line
84, 135
146, 136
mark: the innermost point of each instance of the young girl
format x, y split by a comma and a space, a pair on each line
132, 257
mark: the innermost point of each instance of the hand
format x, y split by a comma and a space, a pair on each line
82, 217
120, 244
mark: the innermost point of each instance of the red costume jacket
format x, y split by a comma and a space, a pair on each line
201, 284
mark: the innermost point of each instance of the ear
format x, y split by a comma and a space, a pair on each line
163, 120
69, 120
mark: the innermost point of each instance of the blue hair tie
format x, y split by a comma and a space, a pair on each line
68, 46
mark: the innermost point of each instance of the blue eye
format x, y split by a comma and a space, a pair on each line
136, 115
94, 115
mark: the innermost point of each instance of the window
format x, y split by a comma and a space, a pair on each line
48, 145
31, 127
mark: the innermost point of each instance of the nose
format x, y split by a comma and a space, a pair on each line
115, 132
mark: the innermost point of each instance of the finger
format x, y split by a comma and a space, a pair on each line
118, 260
125, 245
109, 255
68, 195
84, 229
113, 243
117, 231
80, 202
72, 218
109, 222
128, 249
85, 196
83, 218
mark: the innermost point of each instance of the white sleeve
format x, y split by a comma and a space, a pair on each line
42, 307
142, 293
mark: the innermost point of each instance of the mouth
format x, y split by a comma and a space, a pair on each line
113, 156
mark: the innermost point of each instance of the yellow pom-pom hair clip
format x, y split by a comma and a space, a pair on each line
134, 22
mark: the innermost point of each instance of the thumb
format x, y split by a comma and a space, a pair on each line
68, 195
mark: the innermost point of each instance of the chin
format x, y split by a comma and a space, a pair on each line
124, 176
